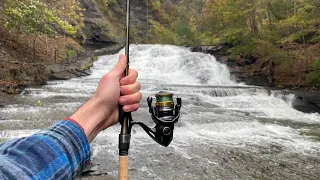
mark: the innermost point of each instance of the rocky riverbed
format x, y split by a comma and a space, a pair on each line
34, 74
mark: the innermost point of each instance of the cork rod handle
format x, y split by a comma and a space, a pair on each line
123, 168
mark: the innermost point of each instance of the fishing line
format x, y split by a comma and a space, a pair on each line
148, 47
147, 21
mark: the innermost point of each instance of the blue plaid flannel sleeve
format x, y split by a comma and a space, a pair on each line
60, 152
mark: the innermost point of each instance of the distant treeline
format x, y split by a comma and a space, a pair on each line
252, 28
42, 17
256, 28
35, 18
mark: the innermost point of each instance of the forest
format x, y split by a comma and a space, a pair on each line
283, 34
232, 85
280, 38
34, 18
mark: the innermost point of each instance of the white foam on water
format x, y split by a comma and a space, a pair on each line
46, 94
288, 98
176, 65
215, 111
42, 108
265, 106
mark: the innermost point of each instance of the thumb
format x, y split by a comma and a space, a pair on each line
120, 67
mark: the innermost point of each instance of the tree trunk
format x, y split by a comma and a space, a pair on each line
270, 77
34, 47
55, 55
4, 46
64, 40
47, 49
68, 57
270, 14
254, 27
64, 34
295, 7
77, 54
16, 46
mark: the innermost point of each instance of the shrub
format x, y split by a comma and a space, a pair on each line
313, 77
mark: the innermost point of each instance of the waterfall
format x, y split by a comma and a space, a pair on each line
227, 130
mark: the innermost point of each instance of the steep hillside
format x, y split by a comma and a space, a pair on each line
105, 22
270, 42
32, 59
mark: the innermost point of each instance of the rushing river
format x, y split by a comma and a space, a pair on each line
227, 130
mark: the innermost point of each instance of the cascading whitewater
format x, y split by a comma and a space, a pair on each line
226, 131
177, 65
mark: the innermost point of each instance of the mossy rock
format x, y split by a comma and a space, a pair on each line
89, 64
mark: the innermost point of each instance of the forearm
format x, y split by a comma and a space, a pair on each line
61, 152
93, 117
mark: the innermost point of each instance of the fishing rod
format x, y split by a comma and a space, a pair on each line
164, 112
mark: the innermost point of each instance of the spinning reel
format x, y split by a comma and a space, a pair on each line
165, 114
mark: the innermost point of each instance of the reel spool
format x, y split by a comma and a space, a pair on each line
164, 105
165, 114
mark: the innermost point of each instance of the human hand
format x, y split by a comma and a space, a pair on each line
112, 85
101, 111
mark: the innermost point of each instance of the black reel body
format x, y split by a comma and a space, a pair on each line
165, 114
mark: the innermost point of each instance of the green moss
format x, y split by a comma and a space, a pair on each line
89, 64
313, 77
102, 5
110, 24
248, 46
70, 53
134, 35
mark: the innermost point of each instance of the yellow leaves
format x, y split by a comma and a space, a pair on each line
227, 13
37, 16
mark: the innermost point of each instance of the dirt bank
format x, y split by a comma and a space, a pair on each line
16, 75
